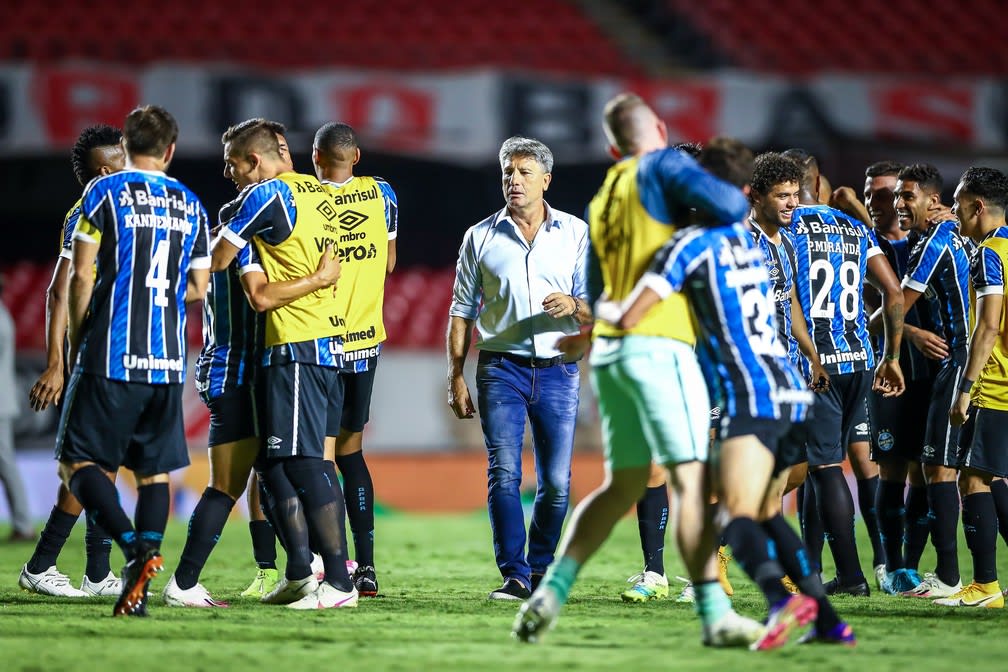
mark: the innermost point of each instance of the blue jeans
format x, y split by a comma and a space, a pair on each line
508, 393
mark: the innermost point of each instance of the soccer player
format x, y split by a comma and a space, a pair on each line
721, 273
140, 252
938, 271
290, 216
836, 254
97, 152
225, 372
981, 400
651, 393
368, 215
896, 433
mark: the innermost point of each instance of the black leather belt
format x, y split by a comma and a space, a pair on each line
530, 362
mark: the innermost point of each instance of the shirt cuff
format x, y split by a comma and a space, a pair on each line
251, 268
989, 290
199, 263
464, 311
80, 235
65, 254
233, 238
393, 235
914, 285
872, 251
660, 285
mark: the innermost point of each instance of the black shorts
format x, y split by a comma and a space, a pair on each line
860, 429
897, 430
941, 438
233, 416
836, 411
117, 424
357, 388
784, 439
295, 403
983, 442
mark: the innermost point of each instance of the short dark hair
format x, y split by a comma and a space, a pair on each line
254, 135
925, 175
92, 137
807, 165
728, 159
336, 141
772, 168
149, 130
691, 148
880, 168
989, 184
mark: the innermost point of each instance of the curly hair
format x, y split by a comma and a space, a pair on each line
925, 175
989, 184
691, 148
92, 137
774, 168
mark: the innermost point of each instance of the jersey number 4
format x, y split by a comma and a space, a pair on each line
157, 276
821, 274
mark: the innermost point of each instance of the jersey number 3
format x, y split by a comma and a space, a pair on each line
157, 277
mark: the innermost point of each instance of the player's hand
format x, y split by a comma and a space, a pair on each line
329, 268
931, 344
558, 305
819, 380
575, 346
960, 409
939, 213
889, 378
843, 198
458, 397
47, 388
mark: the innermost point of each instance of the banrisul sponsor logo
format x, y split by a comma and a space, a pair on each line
152, 363
356, 196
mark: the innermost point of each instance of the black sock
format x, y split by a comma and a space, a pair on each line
980, 527
836, 508
757, 556
263, 544
289, 517
358, 493
652, 517
324, 513
205, 527
812, 530
268, 506
867, 488
999, 491
918, 526
97, 494
97, 547
793, 557
943, 498
54, 535
892, 520
151, 517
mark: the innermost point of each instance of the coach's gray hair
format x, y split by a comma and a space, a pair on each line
519, 146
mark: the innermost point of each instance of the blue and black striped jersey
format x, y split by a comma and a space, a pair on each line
150, 230
914, 364
232, 331
722, 274
939, 269
832, 251
69, 226
780, 263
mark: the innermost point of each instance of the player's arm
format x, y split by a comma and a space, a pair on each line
981, 344
844, 199
391, 222
390, 264
197, 281
222, 252
673, 174
49, 386
799, 330
888, 375
467, 294
264, 294
81, 287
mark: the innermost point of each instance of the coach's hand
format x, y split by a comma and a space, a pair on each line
47, 388
558, 305
960, 409
931, 344
575, 346
458, 397
889, 378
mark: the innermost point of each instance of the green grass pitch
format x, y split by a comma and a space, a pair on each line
435, 573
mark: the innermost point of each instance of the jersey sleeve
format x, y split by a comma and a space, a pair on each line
924, 261
266, 210
69, 226
667, 272
467, 292
248, 260
987, 272
871, 238
669, 180
391, 208
200, 257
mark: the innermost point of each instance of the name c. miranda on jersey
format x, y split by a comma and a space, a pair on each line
141, 274
290, 218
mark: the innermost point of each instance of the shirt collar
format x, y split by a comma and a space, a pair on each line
549, 222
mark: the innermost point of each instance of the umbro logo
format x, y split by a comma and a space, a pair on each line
327, 210
274, 441
351, 219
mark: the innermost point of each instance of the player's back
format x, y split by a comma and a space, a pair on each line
832, 251
939, 268
724, 277
990, 276
914, 364
150, 229
367, 214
